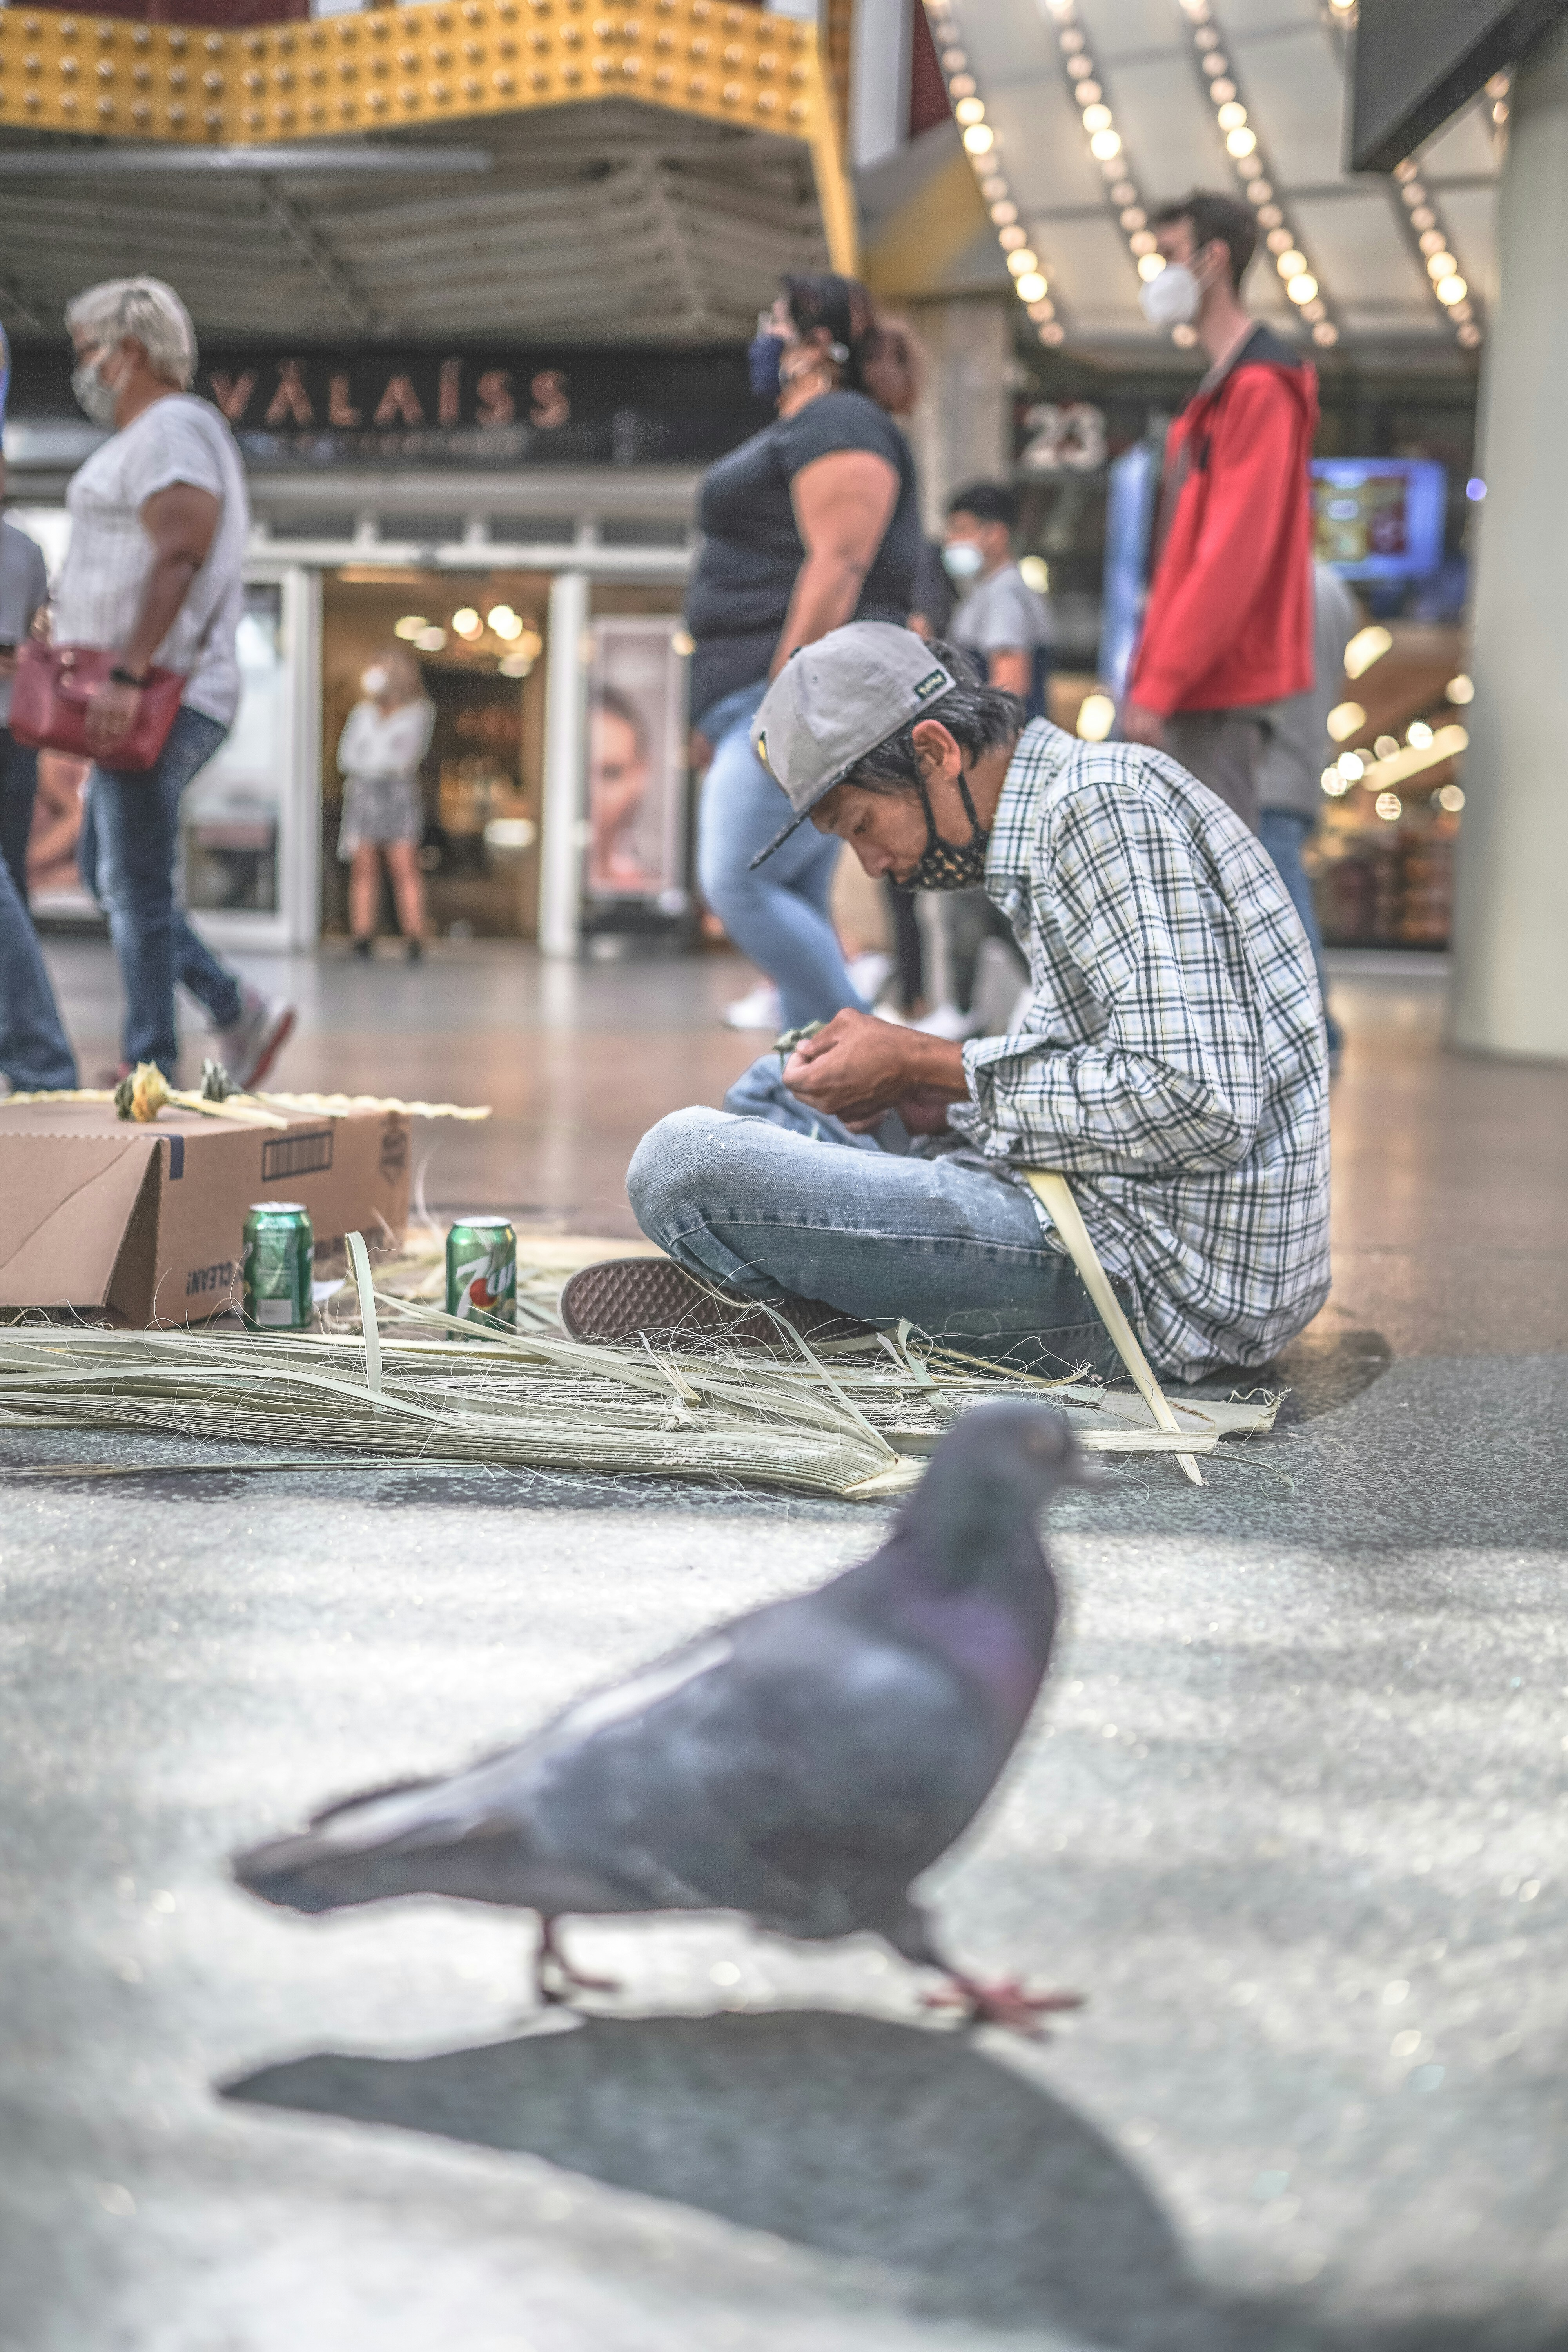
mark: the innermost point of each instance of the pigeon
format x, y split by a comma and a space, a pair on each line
801, 1765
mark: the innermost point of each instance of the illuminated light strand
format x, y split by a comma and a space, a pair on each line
1218, 72
1031, 282
1428, 237
1087, 84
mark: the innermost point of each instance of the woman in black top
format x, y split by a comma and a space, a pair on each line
811, 522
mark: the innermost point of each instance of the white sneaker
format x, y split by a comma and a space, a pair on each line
946, 1021
249, 1048
870, 972
759, 1010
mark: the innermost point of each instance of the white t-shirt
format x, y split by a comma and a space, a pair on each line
1001, 612
178, 439
390, 743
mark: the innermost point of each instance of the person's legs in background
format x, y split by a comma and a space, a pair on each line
778, 916
34, 1052
18, 789
408, 891
364, 895
1284, 833
129, 859
1222, 749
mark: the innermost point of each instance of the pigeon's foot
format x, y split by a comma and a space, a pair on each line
1006, 2003
562, 1980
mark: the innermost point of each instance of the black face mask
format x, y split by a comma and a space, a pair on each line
943, 866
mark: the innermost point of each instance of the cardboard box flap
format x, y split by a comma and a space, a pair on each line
65, 1205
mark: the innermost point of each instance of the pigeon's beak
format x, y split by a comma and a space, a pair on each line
1084, 1471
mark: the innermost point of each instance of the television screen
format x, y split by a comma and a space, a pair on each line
1379, 517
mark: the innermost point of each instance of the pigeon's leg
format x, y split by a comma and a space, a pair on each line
1006, 2003
563, 1980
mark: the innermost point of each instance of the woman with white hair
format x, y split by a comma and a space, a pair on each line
159, 521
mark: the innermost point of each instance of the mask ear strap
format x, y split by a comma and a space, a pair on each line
969, 808
933, 839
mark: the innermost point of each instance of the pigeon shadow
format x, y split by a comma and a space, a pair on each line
988, 2197
854, 2136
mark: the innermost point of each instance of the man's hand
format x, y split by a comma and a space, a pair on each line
859, 1068
8, 663
1141, 725
110, 715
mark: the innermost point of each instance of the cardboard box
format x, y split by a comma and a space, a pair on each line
148, 1223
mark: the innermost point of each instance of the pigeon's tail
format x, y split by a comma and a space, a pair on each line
361, 1851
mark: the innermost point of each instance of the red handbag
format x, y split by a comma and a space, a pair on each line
53, 692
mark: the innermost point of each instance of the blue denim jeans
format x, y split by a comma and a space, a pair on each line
127, 861
767, 1196
1284, 834
18, 789
34, 1052
777, 916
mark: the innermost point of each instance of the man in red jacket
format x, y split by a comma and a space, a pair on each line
1228, 624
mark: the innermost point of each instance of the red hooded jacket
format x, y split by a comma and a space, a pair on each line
1229, 616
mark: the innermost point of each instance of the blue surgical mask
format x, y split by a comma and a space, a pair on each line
963, 562
765, 355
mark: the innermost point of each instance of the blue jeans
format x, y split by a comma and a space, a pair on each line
1284, 834
32, 1049
767, 1196
777, 916
130, 837
18, 789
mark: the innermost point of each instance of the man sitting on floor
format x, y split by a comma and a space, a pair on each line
1169, 1059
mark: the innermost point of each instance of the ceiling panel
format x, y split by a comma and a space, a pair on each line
1125, 27
1044, 152
1360, 252
1172, 140
1238, 17
1466, 146
1292, 86
1090, 268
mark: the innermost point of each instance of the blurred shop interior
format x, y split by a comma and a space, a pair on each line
475, 394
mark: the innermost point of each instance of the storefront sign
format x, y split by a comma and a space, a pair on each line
383, 403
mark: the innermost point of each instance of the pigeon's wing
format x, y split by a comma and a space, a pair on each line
798, 1767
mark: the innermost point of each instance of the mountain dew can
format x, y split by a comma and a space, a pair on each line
278, 1267
481, 1271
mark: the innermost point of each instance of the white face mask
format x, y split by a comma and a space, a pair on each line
95, 398
373, 681
1172, 300
962, 560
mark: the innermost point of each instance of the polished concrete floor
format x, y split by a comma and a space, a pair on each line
1291, 1816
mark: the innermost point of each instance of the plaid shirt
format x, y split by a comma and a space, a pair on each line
1171, 1059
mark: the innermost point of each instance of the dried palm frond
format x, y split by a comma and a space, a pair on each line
415, 1385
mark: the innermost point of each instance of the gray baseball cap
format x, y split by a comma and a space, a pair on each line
835, 700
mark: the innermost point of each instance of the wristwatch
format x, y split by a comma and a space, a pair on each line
123, 677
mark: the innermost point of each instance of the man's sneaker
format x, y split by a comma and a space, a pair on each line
945, 1021
626, 1299
760, 1009
250, 1046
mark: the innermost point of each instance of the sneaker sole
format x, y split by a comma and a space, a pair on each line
272, 1044
626, 1299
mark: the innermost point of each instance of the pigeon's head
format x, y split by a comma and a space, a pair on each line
989, 1477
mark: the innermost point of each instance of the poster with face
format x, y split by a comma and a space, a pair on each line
636, 758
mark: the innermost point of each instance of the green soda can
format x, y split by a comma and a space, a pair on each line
481, 1271
278, 1267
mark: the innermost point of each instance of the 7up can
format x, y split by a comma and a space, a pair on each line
481, 1271
277, 1267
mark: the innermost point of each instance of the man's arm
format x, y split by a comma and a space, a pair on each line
843, 504
181, 523
1256, 468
